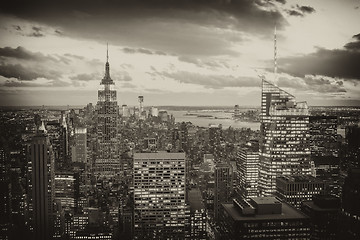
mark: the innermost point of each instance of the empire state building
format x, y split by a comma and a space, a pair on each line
107, 163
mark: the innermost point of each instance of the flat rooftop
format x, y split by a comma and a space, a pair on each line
299, 179
288, 212
316, 208
159, 155
195, 199
265, 200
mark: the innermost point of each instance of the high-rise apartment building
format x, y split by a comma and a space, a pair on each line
159, 195
247, 166
107, 163
42, 185
284, 147
79, 150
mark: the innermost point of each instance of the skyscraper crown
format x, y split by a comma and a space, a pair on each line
107, 79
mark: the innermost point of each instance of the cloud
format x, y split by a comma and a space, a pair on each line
128, 85
306, 9
24, 73
142, 50
355, 45
300, 11
122, 76
295, 13
86, 77
340, 63
281, 1
37, 32
21, 53
193, 27
313, 83
211, 64
17, 27
211, 80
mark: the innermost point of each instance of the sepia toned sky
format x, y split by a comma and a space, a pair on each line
179, 52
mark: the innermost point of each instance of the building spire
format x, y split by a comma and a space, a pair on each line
107, 79
107, 52
275, 54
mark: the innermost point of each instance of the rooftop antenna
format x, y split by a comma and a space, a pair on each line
275, 55
107, 52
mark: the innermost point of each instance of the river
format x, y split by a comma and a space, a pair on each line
212, 117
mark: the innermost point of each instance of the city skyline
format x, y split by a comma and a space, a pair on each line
179, 53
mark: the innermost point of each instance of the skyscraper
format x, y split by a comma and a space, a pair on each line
42, 184
284, 146
107, 162
350, 208
248, 170
159, 195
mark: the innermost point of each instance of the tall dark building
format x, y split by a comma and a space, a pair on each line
284, 146
215, 138
350, 207
323, 211
42, 185
323, 136
222, 188
352, 155
107, 162
198, 216
324, 151
180, 138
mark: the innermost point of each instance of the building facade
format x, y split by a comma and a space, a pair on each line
247, 166
297, 189
222, 188
159, 195
42, 185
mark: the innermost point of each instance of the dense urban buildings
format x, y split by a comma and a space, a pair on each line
159, 195
284, 144
140, 173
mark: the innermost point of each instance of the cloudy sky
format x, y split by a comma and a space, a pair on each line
179, 52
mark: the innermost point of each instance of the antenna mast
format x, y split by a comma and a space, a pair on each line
275, 55
107, 52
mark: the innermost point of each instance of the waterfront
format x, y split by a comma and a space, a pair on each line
218, 117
